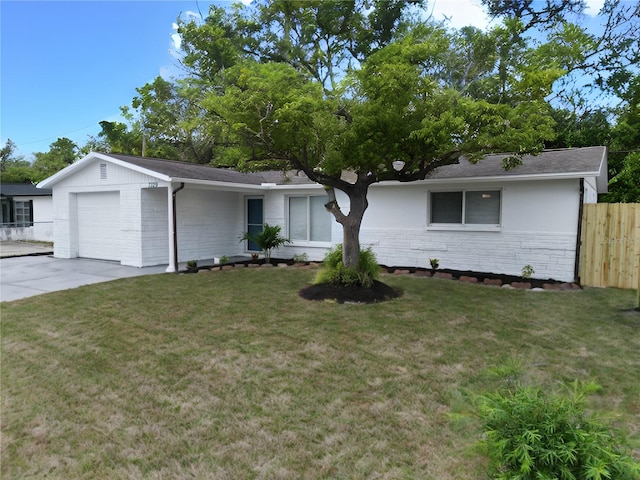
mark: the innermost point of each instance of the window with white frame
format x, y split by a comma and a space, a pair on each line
309, 221
477, 207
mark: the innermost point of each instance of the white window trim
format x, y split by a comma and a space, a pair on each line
298, 242
474, 227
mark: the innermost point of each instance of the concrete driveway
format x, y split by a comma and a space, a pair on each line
26, 276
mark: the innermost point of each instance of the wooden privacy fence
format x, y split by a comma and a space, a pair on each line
610, 249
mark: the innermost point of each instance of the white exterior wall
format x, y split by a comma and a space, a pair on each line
209, 223
539, 223
155, 226
123, 180
275, 213
42, 229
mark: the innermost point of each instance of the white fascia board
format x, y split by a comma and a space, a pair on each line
313, 186
92, 156
511, 178
602, 179
220, 185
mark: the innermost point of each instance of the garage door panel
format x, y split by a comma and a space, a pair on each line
99, 225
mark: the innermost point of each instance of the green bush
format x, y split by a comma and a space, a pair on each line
336, 273
532, 435
267, 239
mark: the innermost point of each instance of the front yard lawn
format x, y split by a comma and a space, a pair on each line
231, 375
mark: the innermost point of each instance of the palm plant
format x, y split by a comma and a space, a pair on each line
267, 239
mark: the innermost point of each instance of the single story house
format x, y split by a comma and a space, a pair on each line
26, 212
145, 211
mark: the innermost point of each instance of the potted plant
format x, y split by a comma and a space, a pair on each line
268, 239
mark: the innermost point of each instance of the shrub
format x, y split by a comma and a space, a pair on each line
532, 435
335, 272
267, 239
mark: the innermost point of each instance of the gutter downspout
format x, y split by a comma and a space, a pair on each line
175, 227
576, 270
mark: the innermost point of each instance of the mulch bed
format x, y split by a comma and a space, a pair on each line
379, 292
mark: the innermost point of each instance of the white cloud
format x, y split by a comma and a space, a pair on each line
593, 7
176, 41
460, 13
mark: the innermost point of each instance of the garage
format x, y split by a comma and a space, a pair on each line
99, 225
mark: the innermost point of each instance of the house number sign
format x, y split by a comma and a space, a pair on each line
153, 184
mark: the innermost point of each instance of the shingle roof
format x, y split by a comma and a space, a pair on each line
22, 189
560, 161
193, 171
549, 162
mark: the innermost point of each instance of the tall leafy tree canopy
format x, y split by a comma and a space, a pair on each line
327, 87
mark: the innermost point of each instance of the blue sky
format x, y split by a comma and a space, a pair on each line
67, 65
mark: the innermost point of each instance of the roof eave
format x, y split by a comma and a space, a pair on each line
91, 156
497, 178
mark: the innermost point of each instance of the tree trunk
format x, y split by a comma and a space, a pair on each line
350, 223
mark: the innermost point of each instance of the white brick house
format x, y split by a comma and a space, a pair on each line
142, 212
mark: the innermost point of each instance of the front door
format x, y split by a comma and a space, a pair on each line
255, 220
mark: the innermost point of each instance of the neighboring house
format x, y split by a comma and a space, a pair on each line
471, 217
26, 212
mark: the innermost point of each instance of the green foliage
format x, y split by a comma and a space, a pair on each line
224, 260
533, 435
435, 263
192, 264
336, 273
62, 153
527, 271
267, 239
625, 186
300, 257
14, 169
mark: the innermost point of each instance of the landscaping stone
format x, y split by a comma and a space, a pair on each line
226, 267
492, 281
254, 265
551, 286
422, 273
468, 279
402, 272
283, 265
266, 265
508, 286
522, 285
448, 276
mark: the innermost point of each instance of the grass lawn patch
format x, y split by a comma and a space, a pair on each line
232, 375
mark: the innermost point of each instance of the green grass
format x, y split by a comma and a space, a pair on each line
231, 375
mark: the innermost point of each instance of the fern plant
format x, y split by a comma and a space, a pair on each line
335, 272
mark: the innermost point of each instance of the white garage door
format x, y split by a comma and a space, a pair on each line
99, 225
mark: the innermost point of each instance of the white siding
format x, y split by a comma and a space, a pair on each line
155, 226
539, 228
209, 223
128, 183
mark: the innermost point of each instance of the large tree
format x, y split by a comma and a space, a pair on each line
62, 152
14, 168
333, 87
